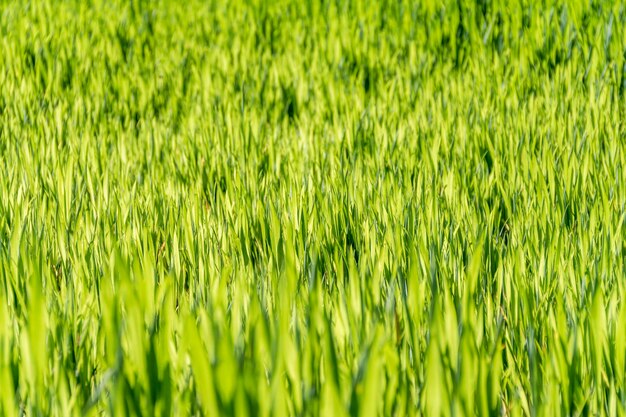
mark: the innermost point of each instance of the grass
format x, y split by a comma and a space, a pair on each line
312, 208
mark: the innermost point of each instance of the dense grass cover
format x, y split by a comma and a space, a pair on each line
312, 208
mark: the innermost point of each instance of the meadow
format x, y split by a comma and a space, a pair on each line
302, 208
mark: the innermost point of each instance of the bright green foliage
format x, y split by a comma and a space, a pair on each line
341, 208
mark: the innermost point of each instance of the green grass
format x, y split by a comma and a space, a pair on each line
346, 208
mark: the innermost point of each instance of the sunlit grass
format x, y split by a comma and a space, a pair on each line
305, 208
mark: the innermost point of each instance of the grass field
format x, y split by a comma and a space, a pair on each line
338, 208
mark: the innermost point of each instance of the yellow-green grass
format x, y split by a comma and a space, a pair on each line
334, 208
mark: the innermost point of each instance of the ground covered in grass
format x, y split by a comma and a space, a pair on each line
312, 208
